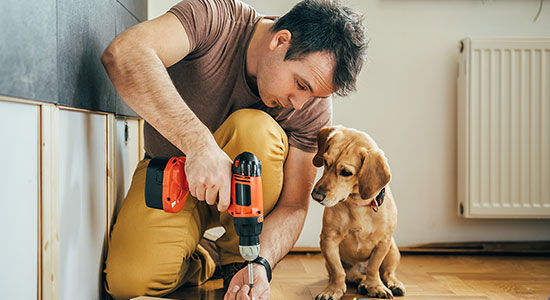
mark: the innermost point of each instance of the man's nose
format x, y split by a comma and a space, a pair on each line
298, 100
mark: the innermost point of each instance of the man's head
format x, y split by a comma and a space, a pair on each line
327, 26
314, 50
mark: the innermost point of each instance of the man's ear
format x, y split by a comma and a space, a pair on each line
374, 174
280, 38
322, 145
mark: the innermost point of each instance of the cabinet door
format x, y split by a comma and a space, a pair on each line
127, 157
19, 200
82, 204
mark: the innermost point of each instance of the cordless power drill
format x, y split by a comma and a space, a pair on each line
166, 188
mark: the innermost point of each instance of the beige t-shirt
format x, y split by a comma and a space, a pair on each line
212, 77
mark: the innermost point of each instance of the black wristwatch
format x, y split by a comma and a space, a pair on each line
262, 261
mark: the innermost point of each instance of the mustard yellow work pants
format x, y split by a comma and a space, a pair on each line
153, 253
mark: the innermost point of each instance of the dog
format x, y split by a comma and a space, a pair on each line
359, 217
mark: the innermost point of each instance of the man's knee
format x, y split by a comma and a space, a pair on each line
257, 132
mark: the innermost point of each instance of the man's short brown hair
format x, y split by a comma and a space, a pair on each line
327, 26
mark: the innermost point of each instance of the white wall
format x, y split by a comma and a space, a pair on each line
406, 100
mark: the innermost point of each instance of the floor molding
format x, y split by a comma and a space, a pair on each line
526, 247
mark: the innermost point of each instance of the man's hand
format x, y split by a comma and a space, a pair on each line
239, 289
208, 173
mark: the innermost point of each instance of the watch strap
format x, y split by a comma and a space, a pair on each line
265, 263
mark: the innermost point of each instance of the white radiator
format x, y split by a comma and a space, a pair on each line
504, 128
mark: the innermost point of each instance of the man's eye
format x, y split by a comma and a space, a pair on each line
345, 173
301, 86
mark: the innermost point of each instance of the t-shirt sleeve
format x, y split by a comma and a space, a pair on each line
303, 133
203, 22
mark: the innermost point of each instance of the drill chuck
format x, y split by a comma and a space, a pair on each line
249, 253
248, 229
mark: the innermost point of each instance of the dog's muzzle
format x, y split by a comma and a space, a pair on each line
317, 196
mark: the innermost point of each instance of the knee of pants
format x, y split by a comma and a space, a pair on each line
254, 131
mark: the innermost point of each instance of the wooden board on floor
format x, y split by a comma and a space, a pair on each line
439, 276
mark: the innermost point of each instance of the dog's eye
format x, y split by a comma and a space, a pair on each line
345, 173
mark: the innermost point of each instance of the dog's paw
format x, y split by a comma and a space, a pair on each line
397, 288
331, 293
377, 291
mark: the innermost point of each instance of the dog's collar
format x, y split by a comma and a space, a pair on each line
378, 200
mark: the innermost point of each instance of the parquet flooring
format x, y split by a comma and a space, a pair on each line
438, 277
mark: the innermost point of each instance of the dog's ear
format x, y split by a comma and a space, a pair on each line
374, 174
322, 145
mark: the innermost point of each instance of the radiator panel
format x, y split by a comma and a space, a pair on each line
504, 128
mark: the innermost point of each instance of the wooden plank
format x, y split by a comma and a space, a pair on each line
111, 188
306, 250
141, 140
110, 155
49, 116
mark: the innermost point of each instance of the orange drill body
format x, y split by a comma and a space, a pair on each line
244, 206
166, 188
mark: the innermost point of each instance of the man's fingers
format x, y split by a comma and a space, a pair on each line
211, 195
198, 192
231, 293
225, 194
243, 293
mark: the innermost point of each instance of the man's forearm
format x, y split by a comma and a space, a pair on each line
141, 79
283, 225
281, 230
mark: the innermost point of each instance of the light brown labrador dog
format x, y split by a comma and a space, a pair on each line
360, 215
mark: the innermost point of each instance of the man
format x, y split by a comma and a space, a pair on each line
212, 78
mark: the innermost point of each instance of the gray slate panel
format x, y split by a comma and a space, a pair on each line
124, 20
85, 29
138, 8
27, 49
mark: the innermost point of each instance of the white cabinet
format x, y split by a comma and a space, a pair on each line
63, 173
82, 203
19, 209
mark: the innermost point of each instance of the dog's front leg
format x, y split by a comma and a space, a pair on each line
372, 286
337, 276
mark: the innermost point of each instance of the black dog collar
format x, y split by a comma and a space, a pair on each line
377, 202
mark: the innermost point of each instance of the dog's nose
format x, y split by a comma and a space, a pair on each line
317, 196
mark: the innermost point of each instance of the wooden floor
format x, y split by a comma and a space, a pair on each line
473, 277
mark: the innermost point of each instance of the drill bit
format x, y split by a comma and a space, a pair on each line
250, 276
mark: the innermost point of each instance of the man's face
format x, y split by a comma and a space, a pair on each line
287, 83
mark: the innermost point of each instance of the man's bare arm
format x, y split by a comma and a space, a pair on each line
136, 62
284, 224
